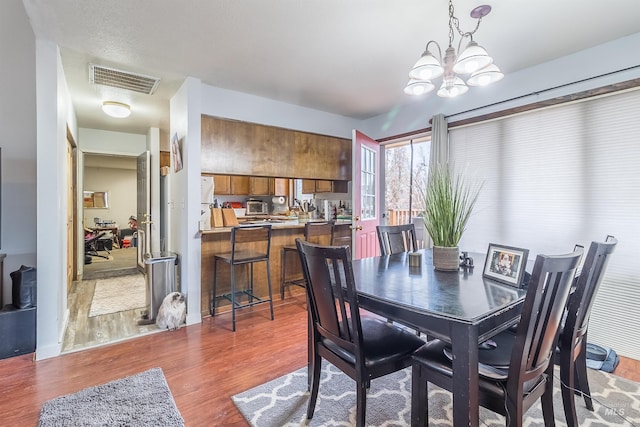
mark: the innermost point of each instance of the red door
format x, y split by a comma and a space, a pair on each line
365, 191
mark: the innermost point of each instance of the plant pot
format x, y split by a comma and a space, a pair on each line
446, 258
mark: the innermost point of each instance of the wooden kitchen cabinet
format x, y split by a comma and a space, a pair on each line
240, 185
231, 184
260, 186
280, 187
221, 184
310, 186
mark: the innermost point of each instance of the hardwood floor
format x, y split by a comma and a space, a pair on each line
204, 365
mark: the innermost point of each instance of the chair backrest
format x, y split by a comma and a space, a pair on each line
319, 232
396, 238
581, 301
544, 304
331, 296
255, 241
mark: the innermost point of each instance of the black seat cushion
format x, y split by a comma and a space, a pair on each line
383, 342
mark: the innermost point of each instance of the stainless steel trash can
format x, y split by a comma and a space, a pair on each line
160, 270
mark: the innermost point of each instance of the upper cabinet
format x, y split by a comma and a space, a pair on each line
240, 148
311, 186
239, 185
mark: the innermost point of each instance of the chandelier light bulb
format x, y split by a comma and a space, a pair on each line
452, 87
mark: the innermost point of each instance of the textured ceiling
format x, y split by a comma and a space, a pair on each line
345, 57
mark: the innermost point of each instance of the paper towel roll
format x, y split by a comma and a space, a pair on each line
278, 200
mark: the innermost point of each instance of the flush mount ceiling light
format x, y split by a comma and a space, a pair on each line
473, 60
116, 109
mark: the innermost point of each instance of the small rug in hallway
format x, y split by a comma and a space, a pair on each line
283, 402
116, 294
140, 400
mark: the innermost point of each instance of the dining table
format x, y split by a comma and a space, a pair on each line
460, 307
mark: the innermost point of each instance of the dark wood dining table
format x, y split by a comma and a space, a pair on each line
459, 307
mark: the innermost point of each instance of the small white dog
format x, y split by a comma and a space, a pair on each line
172, 313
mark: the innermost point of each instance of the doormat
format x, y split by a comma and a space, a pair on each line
143, 399
119, 293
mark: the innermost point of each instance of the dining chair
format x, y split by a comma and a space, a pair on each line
397, 238
249, 245
362, 347
521, 370
572, 353
315, 232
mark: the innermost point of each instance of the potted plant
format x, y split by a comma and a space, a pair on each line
449, 200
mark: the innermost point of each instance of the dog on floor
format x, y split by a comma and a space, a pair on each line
173, 312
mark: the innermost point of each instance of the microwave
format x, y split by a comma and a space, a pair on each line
255, 207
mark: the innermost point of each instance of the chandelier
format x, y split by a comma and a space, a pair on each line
473, 60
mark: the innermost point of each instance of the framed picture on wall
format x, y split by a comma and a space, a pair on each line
176, 149
505, 264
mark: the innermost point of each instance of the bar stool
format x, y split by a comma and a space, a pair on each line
249, 245
315, 232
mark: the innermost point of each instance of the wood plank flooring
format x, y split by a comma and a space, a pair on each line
204, 365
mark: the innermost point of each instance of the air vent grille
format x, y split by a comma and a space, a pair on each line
107, 76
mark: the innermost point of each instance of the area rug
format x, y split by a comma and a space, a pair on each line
140, 400
283, 402
116, 294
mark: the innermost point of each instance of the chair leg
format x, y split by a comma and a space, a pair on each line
316, 367
233, 297
582, 381
269, 286
361, 403
283, 263
212, 303
567, 376
547, 402
419, 402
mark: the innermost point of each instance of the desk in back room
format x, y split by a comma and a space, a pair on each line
113, 230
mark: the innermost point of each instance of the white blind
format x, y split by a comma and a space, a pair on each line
559, 176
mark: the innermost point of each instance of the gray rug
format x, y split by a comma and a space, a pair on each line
116, 294
283, 402
140, 400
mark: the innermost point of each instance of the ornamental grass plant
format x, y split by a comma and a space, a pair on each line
449, 200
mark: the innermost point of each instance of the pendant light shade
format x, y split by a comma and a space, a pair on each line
473, 58
427, 68
418, 87
487, 75
452, 87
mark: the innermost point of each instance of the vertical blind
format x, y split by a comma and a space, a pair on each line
561, 176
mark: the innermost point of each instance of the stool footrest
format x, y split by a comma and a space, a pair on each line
253, 299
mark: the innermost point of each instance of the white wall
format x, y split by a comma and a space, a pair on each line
249, 108
121, 186
18, 147
109, 142
184, 193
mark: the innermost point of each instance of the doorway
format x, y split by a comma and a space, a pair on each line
106, 304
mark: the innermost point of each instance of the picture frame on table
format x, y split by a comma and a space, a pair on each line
505, 264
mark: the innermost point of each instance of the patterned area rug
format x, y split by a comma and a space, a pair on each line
116, 294
143, 399
283, 402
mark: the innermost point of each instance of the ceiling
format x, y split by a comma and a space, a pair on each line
345, 57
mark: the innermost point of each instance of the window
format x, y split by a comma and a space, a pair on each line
368, 183
561, 176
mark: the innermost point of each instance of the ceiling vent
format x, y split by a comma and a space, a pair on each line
107, 76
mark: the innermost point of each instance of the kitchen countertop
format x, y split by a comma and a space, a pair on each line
275, 223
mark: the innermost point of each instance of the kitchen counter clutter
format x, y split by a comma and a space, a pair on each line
283, 233
276, 221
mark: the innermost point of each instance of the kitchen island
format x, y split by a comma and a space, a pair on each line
283, 233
